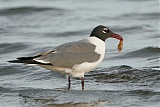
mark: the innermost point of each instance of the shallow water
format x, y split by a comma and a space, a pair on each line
130, 78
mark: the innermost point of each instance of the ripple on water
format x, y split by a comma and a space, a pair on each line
11, 47
26, 10
127, 74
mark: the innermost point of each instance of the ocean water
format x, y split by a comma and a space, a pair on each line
130, 78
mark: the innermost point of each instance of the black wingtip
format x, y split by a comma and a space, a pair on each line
15, 61
22, 60
27, 61
28, 58
25, 58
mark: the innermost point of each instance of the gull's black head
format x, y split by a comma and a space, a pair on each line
102, 32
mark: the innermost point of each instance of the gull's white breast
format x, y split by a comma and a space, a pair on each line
80, 69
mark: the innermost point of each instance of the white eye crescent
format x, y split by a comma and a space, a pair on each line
105, 30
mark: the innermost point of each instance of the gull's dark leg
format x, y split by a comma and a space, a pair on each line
69, 82
82, 83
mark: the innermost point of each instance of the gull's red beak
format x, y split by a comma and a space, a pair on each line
119, 37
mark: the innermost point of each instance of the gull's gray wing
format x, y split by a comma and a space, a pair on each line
69, 54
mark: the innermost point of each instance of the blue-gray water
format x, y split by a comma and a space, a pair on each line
127, 79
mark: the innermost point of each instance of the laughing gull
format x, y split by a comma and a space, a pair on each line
75, 58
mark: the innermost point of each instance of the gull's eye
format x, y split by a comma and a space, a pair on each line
105, 30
